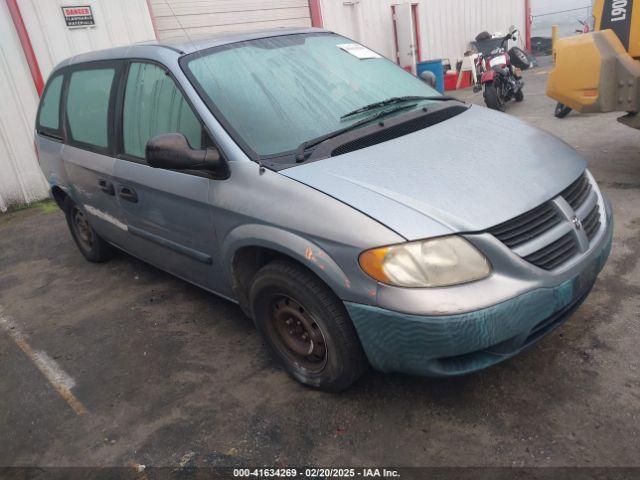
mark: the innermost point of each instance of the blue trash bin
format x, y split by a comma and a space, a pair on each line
435, 67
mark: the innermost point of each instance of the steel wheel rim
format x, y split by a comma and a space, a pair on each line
83, 229
296, 334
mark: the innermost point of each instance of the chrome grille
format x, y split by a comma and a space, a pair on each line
527, 226
576, 193
556, 253
591, 222
549, 236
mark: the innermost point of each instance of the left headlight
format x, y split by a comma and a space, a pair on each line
438, 262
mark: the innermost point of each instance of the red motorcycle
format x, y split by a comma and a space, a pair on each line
499, 71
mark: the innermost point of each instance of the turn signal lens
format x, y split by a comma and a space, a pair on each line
438, 262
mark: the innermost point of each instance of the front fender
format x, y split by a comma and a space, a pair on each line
303, 250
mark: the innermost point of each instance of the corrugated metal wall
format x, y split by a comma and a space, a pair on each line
178, 18
118, 22
449, 25
446, 26
20, 178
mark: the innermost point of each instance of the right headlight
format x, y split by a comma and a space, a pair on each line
438, 262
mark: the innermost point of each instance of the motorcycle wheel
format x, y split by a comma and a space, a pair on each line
562, 110
519, 96
492, 97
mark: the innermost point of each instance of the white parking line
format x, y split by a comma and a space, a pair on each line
57, 377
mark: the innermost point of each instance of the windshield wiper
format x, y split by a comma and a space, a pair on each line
304, 146
392, 100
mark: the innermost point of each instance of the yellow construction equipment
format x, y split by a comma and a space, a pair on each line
600, 71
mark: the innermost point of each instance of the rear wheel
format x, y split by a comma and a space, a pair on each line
90, 244
492, 97
307, 327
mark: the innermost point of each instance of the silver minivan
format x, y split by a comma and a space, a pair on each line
356, 215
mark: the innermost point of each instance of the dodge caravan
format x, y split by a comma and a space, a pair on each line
355, 214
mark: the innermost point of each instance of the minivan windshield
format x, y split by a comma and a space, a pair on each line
273, 94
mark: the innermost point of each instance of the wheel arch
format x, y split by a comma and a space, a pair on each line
249, 247
59, 196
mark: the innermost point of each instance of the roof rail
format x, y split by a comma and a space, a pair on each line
162, 45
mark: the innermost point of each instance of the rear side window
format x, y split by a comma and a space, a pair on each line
88, 100
49, 115
153, 104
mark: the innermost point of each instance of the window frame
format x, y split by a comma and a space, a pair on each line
56, 134
109, 150
119, 113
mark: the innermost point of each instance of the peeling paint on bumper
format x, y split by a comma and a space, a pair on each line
465, 343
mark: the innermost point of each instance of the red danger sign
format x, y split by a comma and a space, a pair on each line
78, 16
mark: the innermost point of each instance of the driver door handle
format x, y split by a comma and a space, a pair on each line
128, 194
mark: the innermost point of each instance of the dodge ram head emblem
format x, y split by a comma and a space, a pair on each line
577, 224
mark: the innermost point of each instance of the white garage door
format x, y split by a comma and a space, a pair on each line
177, 18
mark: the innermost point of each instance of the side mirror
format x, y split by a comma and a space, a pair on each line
172, 151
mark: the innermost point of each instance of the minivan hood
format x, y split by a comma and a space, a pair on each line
466, 174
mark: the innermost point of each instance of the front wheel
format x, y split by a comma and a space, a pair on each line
519, 96
562, 110
307, 327
493, 98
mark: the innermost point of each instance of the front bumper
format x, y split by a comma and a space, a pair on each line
467, 342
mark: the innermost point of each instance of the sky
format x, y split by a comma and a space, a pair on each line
567, 22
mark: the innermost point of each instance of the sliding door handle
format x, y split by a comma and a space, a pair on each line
128, 194
106, 186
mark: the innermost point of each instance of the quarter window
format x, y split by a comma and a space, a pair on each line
154, 105
88, 106
49, 116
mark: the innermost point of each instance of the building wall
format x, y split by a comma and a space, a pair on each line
118, 22
451, 24
179, 18
20, 178
446, 26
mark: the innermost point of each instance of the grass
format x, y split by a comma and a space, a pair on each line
48, 206
23, 211
45, 206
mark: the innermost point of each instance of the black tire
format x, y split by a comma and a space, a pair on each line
519, 96
289, 302
519, 58
562, 110
492, 97
90, 244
